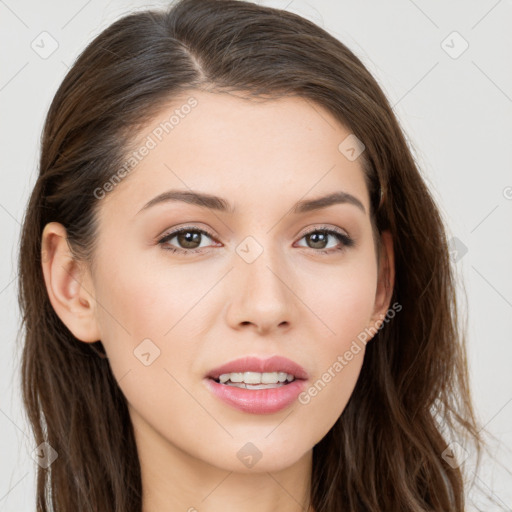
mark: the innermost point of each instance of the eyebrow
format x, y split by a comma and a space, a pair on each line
218, 203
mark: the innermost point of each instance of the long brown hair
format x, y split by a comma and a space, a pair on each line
412, 398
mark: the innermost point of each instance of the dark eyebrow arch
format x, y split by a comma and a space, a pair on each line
199, 199
218, 203
325, 201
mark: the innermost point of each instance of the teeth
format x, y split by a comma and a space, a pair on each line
254, 386
252, 378
256, 377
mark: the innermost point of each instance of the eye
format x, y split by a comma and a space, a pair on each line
189, 238
319, 239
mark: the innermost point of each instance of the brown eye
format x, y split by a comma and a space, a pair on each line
319, 239
188, 240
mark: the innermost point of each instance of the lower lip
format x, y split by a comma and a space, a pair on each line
257, 401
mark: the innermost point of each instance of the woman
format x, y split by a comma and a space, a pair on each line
235, 284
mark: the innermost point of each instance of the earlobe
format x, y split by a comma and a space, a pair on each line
386, 277
68, 285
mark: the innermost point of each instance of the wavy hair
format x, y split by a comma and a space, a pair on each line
412, 399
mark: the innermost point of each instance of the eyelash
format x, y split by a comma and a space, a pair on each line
345, 240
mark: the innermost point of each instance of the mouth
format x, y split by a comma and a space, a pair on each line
257, 386
255, 373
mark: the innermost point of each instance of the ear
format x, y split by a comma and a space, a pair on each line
386, 278
68, 284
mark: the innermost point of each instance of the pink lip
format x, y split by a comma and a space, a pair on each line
255, 364
258, 401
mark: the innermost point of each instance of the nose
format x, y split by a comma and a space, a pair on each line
261, 294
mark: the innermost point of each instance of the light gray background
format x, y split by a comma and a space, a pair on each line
456, 113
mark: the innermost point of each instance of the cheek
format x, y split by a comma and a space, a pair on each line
347, 308
148, 317
137, 299
343, 297
345, 303
338, 355
129, 312
143, 322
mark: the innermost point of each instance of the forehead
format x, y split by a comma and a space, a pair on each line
252, 151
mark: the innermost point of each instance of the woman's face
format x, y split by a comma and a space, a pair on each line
258, 272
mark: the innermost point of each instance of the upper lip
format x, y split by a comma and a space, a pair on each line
255, 364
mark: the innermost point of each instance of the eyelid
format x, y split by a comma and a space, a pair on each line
324, 227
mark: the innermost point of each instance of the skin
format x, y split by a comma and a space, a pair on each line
205, 309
